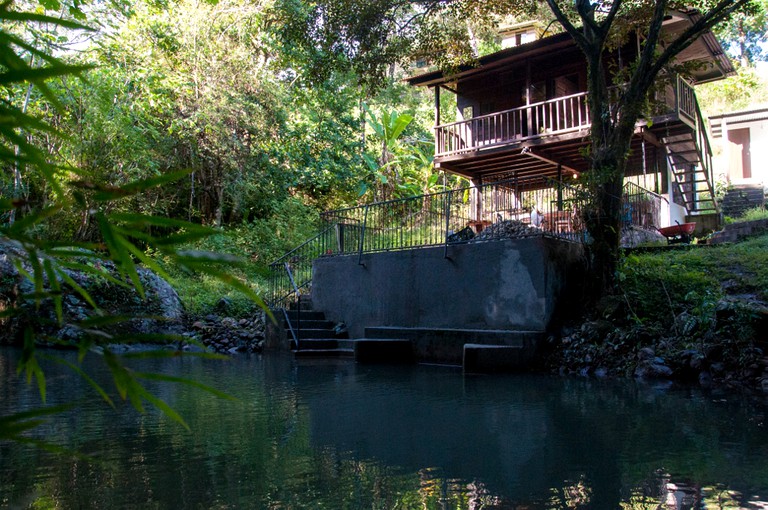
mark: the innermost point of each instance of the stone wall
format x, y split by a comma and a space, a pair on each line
736, 231
517, 284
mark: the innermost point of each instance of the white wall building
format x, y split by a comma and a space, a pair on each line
740, 141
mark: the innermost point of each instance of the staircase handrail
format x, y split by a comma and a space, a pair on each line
705, 147
644, 213
294, 334
290, 254
297, 333
292, 272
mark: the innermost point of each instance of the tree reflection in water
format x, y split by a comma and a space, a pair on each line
345, 436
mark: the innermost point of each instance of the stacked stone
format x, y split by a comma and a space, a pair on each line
509, 229
229, 335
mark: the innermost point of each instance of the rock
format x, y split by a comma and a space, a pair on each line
705, 379
646, 353
634, 236
161, 311
717, 369
229, 322
223, 305
658, 370
652, 370
232, 336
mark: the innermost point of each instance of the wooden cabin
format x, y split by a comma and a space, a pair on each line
522, 112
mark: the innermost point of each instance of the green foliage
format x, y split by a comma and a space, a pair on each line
123, 237
747, 89
747, 32
660, 286
258, 243
403, 166
754, 214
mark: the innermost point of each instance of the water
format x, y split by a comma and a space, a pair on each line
335, 435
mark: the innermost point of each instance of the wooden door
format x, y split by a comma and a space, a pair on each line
740, 164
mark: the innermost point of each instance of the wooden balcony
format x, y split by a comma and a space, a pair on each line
541, 124
539, 120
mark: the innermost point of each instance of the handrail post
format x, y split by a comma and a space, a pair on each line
297, 335
362, 237
447, 220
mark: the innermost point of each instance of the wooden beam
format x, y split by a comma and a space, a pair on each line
532, 154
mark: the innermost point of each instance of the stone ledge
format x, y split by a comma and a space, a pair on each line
480, 358
737, 231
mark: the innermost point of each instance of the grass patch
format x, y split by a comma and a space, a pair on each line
756, 213
659, 286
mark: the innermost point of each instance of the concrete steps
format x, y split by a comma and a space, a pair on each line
483, 359
478, 351
325, 353
317, 337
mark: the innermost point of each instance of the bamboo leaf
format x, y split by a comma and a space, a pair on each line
166, 353
13, 425
108, 194
53, 283
187, 382
162, 406
41, 18
79, 371
28, 363
141, 220
77, 288
39, 74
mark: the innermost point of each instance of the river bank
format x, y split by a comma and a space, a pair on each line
698, 315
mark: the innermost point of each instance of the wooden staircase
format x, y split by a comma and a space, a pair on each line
691, 170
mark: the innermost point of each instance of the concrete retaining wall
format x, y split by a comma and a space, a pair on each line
516, 284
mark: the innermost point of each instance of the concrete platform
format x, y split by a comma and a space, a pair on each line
446, 346
483, 359
383, 350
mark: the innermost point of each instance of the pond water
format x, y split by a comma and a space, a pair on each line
337, 435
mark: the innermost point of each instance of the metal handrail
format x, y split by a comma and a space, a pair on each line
290, 328
297, 260
297, 335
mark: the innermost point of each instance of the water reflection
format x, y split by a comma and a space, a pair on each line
340, 435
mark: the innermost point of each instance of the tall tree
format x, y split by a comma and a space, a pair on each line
613, 121
747, 33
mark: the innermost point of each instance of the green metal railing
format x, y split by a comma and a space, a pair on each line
499, 210
495, 211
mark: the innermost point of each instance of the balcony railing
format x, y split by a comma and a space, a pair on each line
547, 118
540, 120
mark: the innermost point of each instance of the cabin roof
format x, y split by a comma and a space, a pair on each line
706, 49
